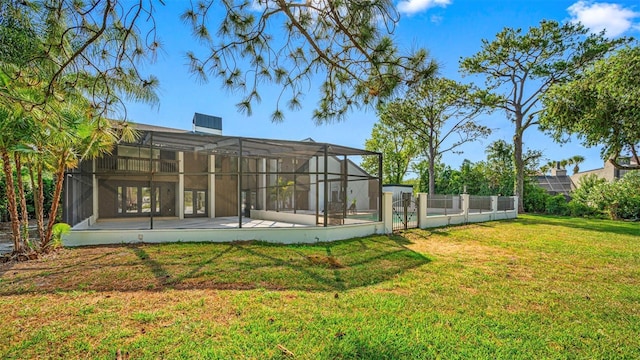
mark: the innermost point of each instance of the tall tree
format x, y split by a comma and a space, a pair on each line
519, 68
500, 167
63, 58
441, 114
10, 134
58, 46
345, 42
398, 151
600, 106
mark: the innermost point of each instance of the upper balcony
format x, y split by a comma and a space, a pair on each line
125, 164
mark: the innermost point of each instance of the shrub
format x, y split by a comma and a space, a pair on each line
535, 198
556, 205
59, 229
618, 200
579, 209
625, 197
589, 191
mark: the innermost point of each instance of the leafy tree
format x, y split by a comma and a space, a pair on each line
473, 178
519, 68
448, 181
490, 177
441, 114
345, 41
600, 106
77, 61
63, 46
398, 151
500, 167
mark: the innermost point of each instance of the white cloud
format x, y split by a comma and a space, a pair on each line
613, 18
411, 7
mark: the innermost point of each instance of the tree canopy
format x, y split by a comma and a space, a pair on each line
65, 66
440, 114
520, 67
600, 107
58, 47
398, 150
347, 43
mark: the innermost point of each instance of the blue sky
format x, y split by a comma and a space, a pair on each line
449, 29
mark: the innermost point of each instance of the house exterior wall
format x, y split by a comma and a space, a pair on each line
608, 172
360, 190
226, 199
164, 174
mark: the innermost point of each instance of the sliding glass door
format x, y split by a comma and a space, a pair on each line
138, 200
195, 202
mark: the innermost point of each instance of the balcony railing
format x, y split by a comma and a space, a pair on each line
129, 164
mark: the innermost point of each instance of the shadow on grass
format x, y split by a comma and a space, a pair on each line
336, 266
600, 225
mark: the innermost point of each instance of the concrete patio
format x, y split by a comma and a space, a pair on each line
174, 223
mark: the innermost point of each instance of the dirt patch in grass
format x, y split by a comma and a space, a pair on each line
441, 246
328, 261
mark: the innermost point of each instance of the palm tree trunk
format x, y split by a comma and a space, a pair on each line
11, 198
24, 223
59, 176
38, 198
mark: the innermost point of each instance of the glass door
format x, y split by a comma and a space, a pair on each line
195, 202
137, 200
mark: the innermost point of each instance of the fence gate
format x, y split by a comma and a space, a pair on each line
405, 212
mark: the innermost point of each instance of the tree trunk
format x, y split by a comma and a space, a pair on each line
59, 176
518, 188
432, 178
11, 199
38, 200
24, 221
432, 168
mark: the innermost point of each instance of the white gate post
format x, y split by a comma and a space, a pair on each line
387, 211
494, 207
465, 206
422, 210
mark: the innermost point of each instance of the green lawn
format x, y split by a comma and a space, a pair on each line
536, 287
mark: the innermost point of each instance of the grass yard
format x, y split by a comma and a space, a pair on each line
536, 287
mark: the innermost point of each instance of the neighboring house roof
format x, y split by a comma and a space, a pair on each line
558, 184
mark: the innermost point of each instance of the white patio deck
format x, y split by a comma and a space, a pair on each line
166, 230
230, 222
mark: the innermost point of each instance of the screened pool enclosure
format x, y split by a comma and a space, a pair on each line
181, 175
